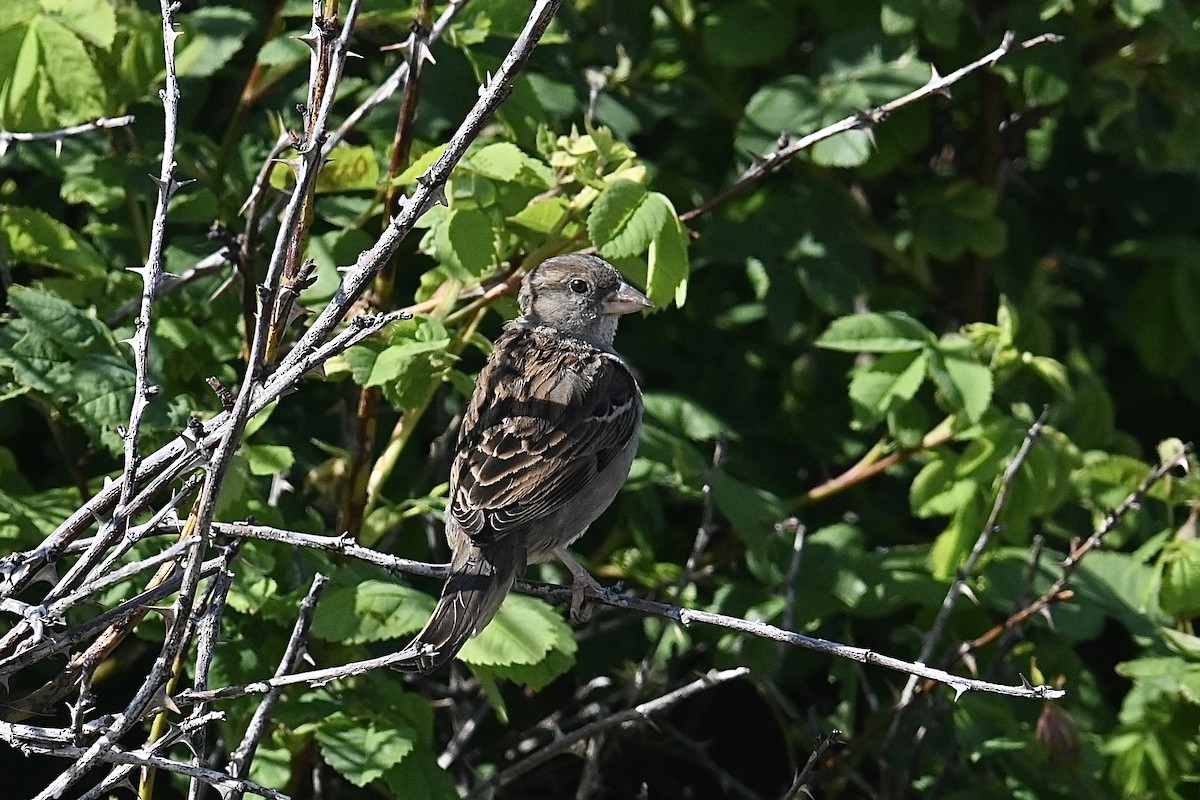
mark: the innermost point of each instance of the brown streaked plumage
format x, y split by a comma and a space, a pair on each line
546, 442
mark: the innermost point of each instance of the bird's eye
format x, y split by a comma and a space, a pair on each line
579, 286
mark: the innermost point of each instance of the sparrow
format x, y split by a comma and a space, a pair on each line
546, 442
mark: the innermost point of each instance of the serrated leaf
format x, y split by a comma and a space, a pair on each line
34, 237
972, 383
359, 750
393, 362
504, 161
522, 632
464, 243
542, 216
625, 219
1179, 593
888, 332
47, 77
370, 611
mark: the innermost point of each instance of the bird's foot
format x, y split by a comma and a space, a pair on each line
581, 582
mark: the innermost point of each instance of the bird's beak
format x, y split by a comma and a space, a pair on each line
625, 300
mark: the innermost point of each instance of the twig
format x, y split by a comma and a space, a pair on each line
865, 120
123, 616
934, 635
142, 758
210, 632
558, 593
789, 581
392, 82
801, 781
640, 712
1057, 590
185, 451
239, 762
430, 188
7, 138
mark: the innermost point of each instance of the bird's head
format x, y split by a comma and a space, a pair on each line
579, 295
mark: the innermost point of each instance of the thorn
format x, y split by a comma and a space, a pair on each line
58, 148
162, 700
972, 665
966, 592
47, 573
959, 690
309, 39
295, 312
167, 612
291, 163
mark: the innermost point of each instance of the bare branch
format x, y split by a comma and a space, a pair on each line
990, 528
557, 593
7, 138
937, 84
638, 713
239, 762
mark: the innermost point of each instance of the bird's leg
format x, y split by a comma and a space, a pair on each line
581, 581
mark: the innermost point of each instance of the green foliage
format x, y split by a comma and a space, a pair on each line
869, 333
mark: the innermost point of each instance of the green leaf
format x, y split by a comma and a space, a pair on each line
47, 77
359, 750
34, 237
753, 512
393, 362
625, 219
747, 32
464, 243
1179, 594
667, 268
542, 216
854, 73
92, 20
213, 35
523, 631
960, 217
966, 383
937, 490
888, 332
878, 387
504, 161
370, 611
684, 416
268, 459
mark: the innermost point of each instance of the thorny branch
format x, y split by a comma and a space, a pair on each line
7, 138
866, 120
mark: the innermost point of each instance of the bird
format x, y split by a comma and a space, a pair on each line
546, 443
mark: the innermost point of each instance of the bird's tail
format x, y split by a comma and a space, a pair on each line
480, 578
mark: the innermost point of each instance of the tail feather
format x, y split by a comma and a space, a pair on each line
480, 578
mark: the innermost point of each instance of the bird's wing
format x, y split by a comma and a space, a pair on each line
546, 417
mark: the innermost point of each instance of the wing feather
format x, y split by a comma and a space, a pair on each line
546, 417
